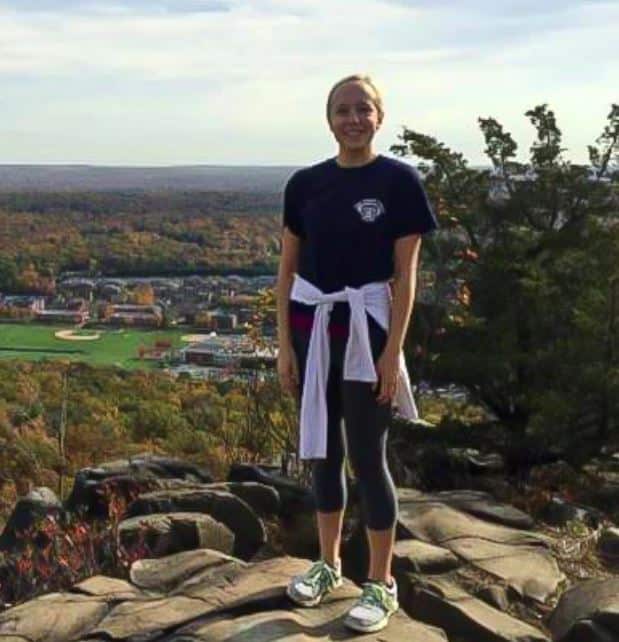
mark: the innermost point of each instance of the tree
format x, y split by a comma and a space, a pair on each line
8, 275
535, 244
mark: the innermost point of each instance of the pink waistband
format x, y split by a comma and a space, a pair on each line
304, 322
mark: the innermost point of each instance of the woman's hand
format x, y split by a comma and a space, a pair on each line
288, 369
387, 369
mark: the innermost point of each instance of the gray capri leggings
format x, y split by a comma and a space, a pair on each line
366, 424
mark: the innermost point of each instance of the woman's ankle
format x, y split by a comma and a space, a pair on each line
334, 562
387, 581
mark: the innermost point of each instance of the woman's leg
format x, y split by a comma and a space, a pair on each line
328, 475
367, 424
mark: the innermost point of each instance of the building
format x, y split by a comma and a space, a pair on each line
135, 315
80, 288
62, 316
26, 303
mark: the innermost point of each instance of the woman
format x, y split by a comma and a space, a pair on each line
352, 228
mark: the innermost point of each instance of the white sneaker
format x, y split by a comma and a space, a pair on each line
309, 589
371, 612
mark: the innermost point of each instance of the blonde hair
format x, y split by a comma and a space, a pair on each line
366, 80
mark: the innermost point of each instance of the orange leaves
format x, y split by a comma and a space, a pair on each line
471, 255
53, 556
467, 254
464, 295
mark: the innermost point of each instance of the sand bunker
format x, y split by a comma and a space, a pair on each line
69, 334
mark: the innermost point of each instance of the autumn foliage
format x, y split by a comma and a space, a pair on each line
53, 554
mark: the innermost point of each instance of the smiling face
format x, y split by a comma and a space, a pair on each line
353, 116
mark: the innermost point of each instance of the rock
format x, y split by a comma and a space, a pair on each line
555, 475
158, 466
293, 497
421, 557
309, 625
608, 545
168, 533
499, 486
588, 631
435, 467
559, 512
528, 570
142, 473
483, 505
436, 600
109, 588
435, 522
248, 529
39, 620
587, 609
494, 595
518, 557
605, 496
263, 499
37, 504
475, 502
166, 573
89, 495
477, 462
601, 465
246, 602
603, 493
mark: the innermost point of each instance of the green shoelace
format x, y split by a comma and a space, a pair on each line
375, 595
319, 574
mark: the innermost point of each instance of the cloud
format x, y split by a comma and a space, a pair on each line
528, 8
190, 80
97, 6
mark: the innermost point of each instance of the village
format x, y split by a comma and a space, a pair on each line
215, 311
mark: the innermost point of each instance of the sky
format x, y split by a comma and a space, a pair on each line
232, 82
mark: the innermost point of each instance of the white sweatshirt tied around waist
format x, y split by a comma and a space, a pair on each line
373, 298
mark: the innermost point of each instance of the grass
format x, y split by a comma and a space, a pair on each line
119, 347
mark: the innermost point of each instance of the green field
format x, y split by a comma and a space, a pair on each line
118, 346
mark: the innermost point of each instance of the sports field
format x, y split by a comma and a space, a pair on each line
118, 346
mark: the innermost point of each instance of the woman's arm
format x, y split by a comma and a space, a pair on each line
288, 265
406, 255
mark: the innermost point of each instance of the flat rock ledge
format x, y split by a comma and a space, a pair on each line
519, 558
195, 596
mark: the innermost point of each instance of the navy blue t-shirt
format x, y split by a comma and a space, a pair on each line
348, 219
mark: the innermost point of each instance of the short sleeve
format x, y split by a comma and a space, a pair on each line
291, 217
411, 212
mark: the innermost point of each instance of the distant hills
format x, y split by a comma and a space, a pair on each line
55, 178
97, 178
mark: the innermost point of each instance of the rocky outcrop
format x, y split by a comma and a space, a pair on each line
205, 596
468, 567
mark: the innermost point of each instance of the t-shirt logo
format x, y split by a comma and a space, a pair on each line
369, 209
